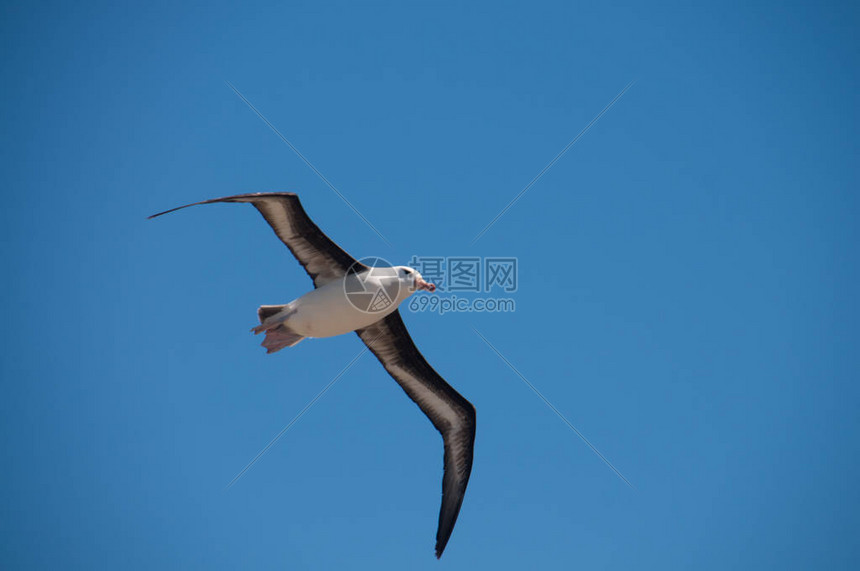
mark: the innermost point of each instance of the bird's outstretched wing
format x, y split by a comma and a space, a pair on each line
324, 260
450, 413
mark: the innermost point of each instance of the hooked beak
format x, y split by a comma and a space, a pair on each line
426, 286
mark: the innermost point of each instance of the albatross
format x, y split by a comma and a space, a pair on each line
351, 296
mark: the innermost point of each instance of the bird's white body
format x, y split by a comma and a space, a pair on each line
328, 311
351, 303
347, 304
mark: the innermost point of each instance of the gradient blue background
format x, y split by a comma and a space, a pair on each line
688, 281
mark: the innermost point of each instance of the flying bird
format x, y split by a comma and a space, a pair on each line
351, 296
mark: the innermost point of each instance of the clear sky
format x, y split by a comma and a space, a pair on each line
687, 283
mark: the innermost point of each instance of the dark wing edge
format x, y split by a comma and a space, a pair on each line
322, 258
450, 413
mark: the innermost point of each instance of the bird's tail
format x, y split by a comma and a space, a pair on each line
278, 334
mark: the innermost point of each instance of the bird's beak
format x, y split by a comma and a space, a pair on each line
426, 286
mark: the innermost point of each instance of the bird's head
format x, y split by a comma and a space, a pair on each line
412, 281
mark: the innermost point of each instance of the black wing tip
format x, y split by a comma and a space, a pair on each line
441, 544
166, 212
442, 538
234, 198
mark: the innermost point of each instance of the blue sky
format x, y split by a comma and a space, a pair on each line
687, 283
